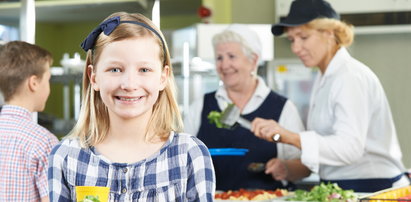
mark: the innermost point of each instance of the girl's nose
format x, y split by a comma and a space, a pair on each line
129, 81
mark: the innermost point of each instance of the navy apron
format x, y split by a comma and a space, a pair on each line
231, 171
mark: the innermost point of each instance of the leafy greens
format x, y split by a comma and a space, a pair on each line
330, 192
214, 117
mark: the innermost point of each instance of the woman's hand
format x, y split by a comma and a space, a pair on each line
267, 128
277, 169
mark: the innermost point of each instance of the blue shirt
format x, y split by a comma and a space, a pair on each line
181, 171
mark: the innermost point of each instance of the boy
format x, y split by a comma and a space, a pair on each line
24, 145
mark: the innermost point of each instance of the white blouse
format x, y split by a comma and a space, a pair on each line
351, 133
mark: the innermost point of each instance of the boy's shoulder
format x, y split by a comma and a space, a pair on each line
19, 120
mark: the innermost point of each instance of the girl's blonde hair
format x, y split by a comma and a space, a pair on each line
343, 32
93, 123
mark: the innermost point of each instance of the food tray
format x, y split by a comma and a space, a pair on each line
388, 195
227, 151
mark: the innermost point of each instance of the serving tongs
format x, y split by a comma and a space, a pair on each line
231, 115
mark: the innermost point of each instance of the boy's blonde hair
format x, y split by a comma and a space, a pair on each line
93, 124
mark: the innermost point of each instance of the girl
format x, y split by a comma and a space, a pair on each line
126, 136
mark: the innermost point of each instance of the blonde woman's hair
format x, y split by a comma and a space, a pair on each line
93, 123
343, 32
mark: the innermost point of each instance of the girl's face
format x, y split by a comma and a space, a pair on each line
233, 66
311, 46
129, 77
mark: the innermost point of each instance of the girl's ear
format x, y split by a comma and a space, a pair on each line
164, 77
92, 77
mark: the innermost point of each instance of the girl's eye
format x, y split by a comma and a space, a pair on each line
144, 70
115, 70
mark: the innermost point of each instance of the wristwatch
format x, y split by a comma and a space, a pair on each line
277, 137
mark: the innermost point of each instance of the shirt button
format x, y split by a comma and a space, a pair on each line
124, 190
125, 170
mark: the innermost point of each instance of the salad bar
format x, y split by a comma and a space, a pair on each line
319, 193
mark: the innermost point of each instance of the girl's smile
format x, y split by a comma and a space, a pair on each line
129, 77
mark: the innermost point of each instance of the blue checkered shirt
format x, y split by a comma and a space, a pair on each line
181, 171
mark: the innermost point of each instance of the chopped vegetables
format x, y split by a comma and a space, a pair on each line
214, 117
325, 193
90, 198
246, 195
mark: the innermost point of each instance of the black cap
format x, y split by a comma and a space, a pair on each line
302, 12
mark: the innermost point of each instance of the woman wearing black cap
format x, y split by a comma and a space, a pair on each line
351, 137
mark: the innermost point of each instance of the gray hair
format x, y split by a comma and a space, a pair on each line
229, 36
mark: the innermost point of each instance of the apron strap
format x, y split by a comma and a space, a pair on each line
366, 185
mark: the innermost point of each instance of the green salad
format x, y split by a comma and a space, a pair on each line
214, 117
90, 198
330, 192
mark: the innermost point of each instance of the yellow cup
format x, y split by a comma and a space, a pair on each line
92, 194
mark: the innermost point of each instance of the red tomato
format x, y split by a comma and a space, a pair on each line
405, 199
278, 192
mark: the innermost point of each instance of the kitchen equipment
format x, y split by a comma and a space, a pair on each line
231, 116
256, 167
227, 151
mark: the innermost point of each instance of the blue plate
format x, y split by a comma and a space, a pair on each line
227, 152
